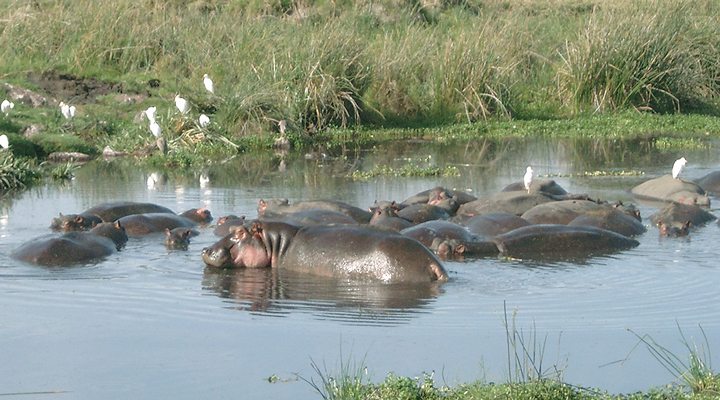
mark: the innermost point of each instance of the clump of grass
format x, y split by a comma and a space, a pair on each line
406, 170
63, 172
16, 173
696, 374
352, 382
646, 57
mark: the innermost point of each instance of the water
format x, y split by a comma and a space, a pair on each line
148, 322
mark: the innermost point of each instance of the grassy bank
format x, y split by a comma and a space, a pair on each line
488, 65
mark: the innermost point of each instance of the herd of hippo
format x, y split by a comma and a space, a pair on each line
391, 241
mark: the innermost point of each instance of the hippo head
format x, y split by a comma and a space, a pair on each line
263, 205
113, 231
199, 215
447, 248
671, 230
73, 222
179, 238
240, 248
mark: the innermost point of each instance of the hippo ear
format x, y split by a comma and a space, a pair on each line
117, 225
460, 249
79, 219
186, 233
167, 232
240, 232
256, 228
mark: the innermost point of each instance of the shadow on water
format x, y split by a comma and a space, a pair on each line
273, 293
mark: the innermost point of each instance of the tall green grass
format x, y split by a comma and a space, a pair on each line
323, 63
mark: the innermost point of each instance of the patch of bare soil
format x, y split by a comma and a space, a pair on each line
73, 89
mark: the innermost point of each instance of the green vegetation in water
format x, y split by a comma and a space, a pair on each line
412, 169
527, 378
16, 173
595, 174
500, 69
64, 171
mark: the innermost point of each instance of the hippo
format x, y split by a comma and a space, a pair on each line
179, 238
143, 224
112, 211
710, 183
677, 215
673, 230
439, 193
346, 251
472, 244
227, 222
560, 241
75, 222
560, 212
505, 202
74, 247
547, 186
313, 217
419, 213
277, 208
385, 217
612, 219
666, 188
494, 224
200, 216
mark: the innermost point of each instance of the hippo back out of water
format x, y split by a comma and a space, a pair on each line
74, 247
112, 211
336, 251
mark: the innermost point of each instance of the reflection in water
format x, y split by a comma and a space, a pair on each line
271, 292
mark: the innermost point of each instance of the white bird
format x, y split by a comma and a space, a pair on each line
204, 120
6, 106
155, 129
4, 143
153, 181
150, 113
181, 104
678, 167
208, 84
528, 178
204, 181
67, 110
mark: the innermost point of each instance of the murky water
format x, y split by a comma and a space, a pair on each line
152, 323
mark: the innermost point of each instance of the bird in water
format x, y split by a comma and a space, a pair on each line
528, 178
678, 167
209, 86
181, 104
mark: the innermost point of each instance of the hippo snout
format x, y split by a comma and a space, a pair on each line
215, 257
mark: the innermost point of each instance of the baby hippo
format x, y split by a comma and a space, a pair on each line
179, 238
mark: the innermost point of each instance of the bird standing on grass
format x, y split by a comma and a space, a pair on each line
208, 84
4, 143
528, 178
150, 114
203, 121
6, 106
181, 104
678, 167
67, 110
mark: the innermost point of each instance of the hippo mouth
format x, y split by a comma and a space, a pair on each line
217, 257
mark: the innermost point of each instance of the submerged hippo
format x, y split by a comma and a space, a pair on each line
179, 238
419, 213
437, 194
548, 186
560, 212
560, 241
200, 216
515, 203
334, 251
144, 224
386, 217
277, 208
112, 211
710, 183
74, 247
667, 188
612, 219
75, 222
314, 217
675, 214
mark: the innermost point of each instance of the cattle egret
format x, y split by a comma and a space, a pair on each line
182, 104
150, 113
204, 120
208, 84
155, 129
528, 178
4, 141
678, 167
153, 181
204, 181
6, 106
67, 110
